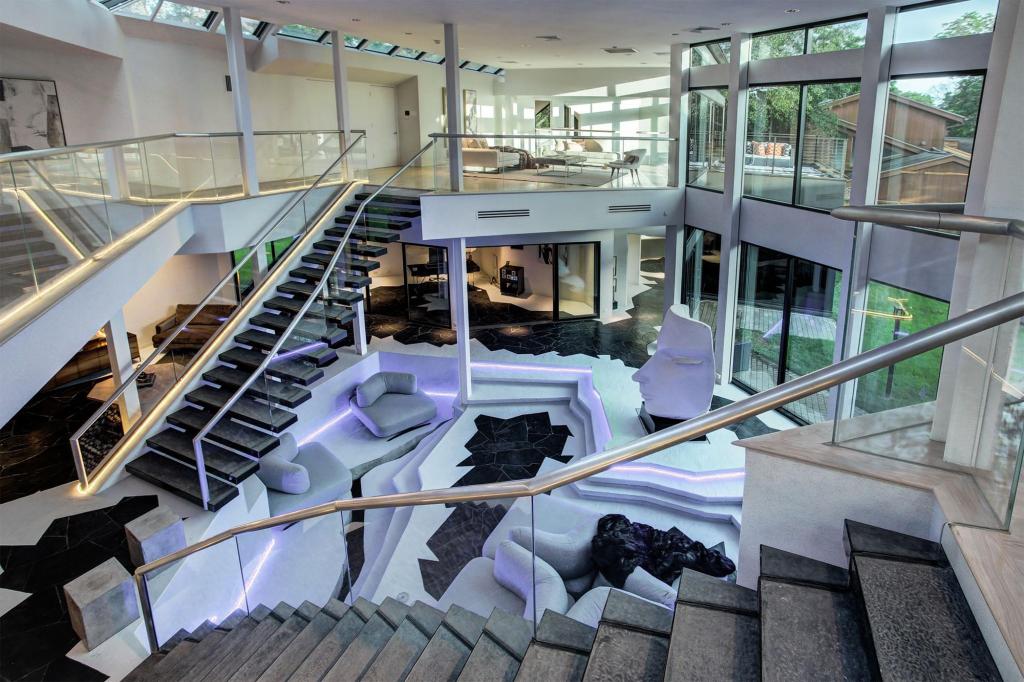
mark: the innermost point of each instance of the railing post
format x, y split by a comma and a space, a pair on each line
453, 97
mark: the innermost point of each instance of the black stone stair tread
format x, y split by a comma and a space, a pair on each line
246, 646
26, 264
512, 632
359, 265
624, 609
229, 647
20, 232
920, 622
360, 653
378, 235
364, 250
385, 198
220, 462
314, 351
546, 663
398, 656
299, 648
337, 313
179, 479
777, 563
304, 289
623, 651
465, 624
702, 589
378, 209
443, 658
312, 329
489, 661
21, 247
245, 409
280, 392
264, 656
290, 370
226, 432
810, 633
862, 538
379, 221
327, 651
338, 275
565, 633
713, 644
425, 617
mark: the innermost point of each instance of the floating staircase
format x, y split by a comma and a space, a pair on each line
251, 428
897, 614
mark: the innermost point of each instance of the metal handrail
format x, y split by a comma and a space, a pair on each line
552, 137
59, 151
961, 327
272, 224
286, 334
920, 217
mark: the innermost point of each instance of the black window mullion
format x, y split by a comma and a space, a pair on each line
787, 312
556, 315
798, 143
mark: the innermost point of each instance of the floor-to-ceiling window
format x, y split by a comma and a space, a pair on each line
706, 138
244, 277
426, 284
702, 257
773, 119
786, 315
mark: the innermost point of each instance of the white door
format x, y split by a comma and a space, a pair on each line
373, 110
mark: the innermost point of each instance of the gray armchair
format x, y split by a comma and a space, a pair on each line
631, 162
298, 477
389, 402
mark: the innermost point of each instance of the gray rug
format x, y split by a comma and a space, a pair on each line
588, 178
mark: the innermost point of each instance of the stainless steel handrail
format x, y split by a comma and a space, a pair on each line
961, 327
272, 224
913, 216
286, 334
552, 137
60, 151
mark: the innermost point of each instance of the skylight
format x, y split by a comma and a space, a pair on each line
432, 58
183, 15
408, 53
379, 46
354, 41
472, 66
139, 8
302, 32
250, 28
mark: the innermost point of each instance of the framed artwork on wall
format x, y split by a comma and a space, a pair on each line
29, 115
469, 109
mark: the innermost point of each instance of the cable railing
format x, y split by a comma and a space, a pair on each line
286, 335
251, 564
295, 209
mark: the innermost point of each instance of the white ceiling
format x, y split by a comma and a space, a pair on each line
498, 31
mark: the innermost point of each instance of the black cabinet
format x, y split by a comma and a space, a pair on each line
512, 279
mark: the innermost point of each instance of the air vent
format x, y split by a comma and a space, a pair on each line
547, 38
701, 29
509, 213
630, 208
663, 54
619, 50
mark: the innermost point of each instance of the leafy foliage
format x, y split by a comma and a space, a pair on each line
969, 24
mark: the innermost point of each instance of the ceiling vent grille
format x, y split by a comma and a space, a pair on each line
508, 213
700, 29
630, 208
550, 38
619, 50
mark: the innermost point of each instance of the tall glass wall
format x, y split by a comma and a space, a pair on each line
773, 118
706, 138
426, 284
244, 277
702, 258
786, 315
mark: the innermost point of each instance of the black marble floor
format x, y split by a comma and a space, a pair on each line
458, 540
512, 449
36, 634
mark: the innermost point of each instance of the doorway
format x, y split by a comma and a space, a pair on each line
374, 110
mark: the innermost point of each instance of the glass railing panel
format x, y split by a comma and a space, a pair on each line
227, 165
280, 162
197, 178
320, 149
161, 169
204, 587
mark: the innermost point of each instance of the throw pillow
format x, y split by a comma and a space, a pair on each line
567, 553
282, 475
514, 569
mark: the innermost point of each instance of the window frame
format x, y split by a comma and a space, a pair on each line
935, 3
806, 28
706, 43
323, 36
726, 130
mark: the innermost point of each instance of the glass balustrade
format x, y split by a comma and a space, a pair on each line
555, 161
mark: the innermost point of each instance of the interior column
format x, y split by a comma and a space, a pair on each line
239, 74
453, 102
675, 238
121, 367
341, 86
460, 314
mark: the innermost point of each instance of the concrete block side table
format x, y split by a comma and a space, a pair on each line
155, 534
101, 602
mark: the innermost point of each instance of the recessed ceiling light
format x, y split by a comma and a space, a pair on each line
356, 20
792, 10
675, 34
408, 33
726, 23
284, 2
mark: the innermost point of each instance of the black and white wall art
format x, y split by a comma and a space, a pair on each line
29, 115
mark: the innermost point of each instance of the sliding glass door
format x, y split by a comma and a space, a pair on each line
426, 284
576, 281
702, 256
786, 314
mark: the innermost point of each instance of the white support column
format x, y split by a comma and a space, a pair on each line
453, 90
116, 173
732, 196
460, 314
120, 354
675, 241
971, 386
359, 328
622, 299
678, 112
340, 84
239, 73
867, 163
